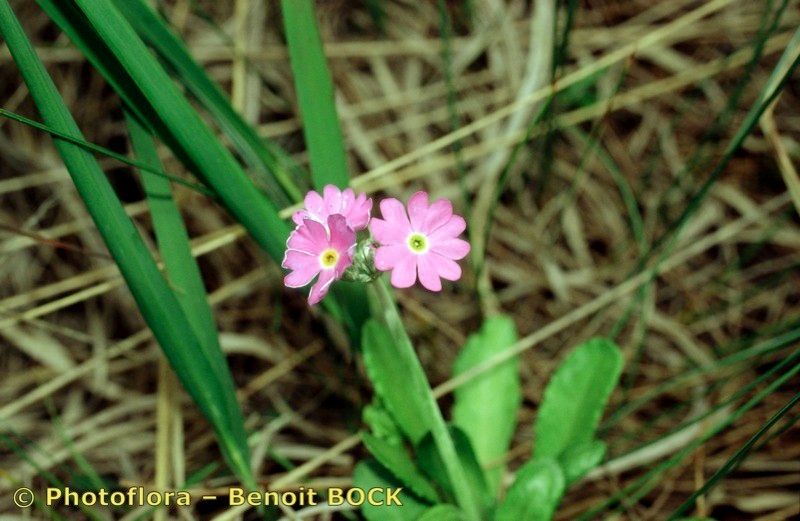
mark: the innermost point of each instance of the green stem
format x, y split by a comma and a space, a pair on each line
384, 305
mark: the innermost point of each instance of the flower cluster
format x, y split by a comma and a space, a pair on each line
420, 241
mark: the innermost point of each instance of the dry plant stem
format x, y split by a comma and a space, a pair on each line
785, 165
164, 406
536, 76
653, 38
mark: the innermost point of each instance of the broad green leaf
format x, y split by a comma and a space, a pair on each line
486, 407
381, 423
156, 301
577, 460
396, 460
392, 376
370, 474
430, 461
315, 95
442, 513
535, 493
576, 396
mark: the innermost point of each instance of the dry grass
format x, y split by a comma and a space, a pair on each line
75, 349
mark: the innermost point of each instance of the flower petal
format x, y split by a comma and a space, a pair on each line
359, 212
387, 257
320, 288
449, 230
317, 232
394, 213
304, 267
302, 239
439, 212
332, 198
387, 233
345, 261
418, 210
314, 206
342, 237
455, 249
447, 268
404, 273
429, 272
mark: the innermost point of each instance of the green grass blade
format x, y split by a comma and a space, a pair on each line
175, 121
314, 86
140, 80
262, 155
736, 459
157, 303
183, 272
103, 151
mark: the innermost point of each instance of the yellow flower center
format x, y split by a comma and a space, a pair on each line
418, 243
328, 258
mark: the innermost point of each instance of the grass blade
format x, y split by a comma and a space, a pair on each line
154, 95
312, 80
183, 273
262, 155
157, 303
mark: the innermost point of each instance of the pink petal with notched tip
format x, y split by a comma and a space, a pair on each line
428, 272
418, 210
320, 288
404, 273
449, 230
387, 256
448, 269
332, 199
303, 268
358, 216
342, 237
386, 232
394, 214
455, 249
311, 238
438, 214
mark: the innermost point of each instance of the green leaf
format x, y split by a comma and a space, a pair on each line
315, 95
381, 423
431, 463
182, 270
577, 460
391, 376
489, 423
156, 301
535, 493
370, 474
116, 50
442, 513
576, 396
106, 37
262, 155
397, 461
397, 373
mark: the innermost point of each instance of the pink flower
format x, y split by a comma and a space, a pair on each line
426, 245
314, 249
334, 201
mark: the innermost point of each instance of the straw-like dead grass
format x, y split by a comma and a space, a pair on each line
561, 246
